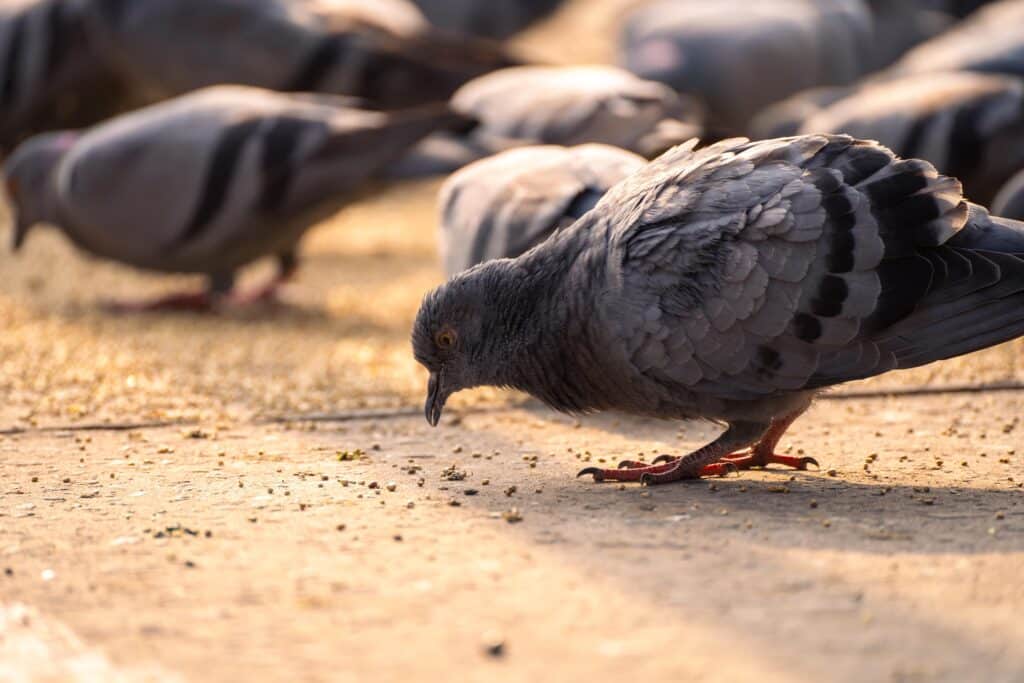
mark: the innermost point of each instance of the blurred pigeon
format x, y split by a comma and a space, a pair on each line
560, 105
380, 51
785, 118
487, 18
741, 56
1009, 203
208, 182
50, 75
899, 25
505, 205
733, 284
990, 41
968, 125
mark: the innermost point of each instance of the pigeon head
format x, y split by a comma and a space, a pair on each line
28, 179
454, 338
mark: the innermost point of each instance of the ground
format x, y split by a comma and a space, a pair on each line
257, 496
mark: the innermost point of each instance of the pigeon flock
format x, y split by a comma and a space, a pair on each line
757, 202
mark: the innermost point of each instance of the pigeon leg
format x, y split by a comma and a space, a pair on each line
194, 302
183, 301
704, 462
763, 453
287, 264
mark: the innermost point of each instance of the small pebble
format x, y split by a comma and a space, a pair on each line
512, 516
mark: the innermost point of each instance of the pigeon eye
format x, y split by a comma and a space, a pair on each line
445, 339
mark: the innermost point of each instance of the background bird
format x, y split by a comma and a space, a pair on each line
733, 283
554, 105
969, 125
988, 41
490, 19
506, 204
380, 52
1010, 200
208, 182
51, 75
739, 57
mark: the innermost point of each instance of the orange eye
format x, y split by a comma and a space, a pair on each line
445, 339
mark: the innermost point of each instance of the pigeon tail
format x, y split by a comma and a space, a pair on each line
989, 233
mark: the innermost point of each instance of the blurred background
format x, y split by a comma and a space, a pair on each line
931, 78
368, 546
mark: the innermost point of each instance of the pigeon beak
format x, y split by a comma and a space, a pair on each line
436, 396
20, 231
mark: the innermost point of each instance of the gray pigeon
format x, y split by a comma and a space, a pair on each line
505, 205
785, 118
969, 125
379, 51
733, 284
740, 56
560, 105
487, 18
208, 182
989, 41
899, 25
50, 75
1009, 203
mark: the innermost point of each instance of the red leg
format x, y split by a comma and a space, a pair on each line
763, 453
703, 462
287, 265
185, 301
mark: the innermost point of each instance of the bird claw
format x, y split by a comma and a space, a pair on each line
664, 457
596, 471
632, 464
750, 460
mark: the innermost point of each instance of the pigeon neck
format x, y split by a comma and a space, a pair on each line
545, 323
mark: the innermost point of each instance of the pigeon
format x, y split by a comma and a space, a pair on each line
497, 19
739, 56
1009, 203
383, 52
899, 25
208, 182
559, 105
733, 283
784, 119
990, 40
969, 125
50, 74
506, 204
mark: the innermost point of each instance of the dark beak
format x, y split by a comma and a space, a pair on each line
437, 394
20, 231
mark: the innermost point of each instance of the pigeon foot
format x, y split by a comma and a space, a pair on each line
634, 471
195, 302
760, 459
201, 302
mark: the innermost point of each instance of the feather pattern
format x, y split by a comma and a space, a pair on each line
748, 271
504, 205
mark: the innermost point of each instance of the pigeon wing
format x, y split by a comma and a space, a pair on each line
748, 269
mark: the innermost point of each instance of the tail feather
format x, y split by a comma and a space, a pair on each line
990, 233
943, 327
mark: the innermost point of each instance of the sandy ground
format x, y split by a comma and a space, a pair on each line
245, 541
